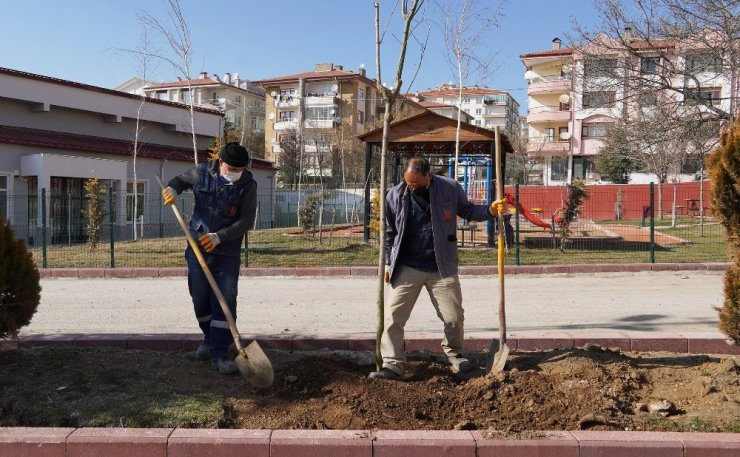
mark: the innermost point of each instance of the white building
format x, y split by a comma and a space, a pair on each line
56, 134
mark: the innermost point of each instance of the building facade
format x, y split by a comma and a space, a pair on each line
241, 101
487, 108
56, 134
317, 113
576, 94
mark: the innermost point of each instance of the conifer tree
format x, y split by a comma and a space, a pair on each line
724, 174
19, 283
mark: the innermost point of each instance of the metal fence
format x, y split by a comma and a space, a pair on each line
617, 224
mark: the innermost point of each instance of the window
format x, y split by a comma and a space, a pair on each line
319, 113
214, 97
4, 196
478, 111
238, 100
476, 122
594, 130
185, 96
161, 95
708, 96
238, 121
549, 135
559, 168
361, 95
649, 64
703, 62
561, 131
257, 123
600, 99
648, 98
286, 116
130, 200
600, 67
360, 117
583, 167
466, 99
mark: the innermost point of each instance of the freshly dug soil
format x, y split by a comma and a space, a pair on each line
588, 388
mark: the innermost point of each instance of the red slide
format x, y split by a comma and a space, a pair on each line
527, 215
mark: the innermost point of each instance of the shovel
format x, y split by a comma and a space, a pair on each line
251, 361
499, 351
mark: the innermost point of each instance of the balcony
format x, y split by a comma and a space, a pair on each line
560, 113
554, 84
285, 125
546, 144
318, 123
312, 148
313, 100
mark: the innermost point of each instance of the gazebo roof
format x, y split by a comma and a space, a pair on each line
433, 133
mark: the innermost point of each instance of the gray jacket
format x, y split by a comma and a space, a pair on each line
447, 200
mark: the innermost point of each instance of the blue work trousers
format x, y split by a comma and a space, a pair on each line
208, 312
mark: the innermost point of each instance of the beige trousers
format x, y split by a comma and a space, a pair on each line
446, 297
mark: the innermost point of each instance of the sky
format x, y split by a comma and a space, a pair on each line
86, 40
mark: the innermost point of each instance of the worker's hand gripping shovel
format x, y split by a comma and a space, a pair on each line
499, 351
251, 361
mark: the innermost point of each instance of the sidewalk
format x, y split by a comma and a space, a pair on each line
641, 301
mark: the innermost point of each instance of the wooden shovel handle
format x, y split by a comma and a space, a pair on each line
207, 271
501, 242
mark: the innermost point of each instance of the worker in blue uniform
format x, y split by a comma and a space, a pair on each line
225, 208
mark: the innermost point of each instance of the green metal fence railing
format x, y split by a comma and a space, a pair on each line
617, 224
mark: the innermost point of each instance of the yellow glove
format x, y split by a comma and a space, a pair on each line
168, 195
209, 241
498, 206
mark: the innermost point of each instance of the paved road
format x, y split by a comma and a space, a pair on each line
650, 301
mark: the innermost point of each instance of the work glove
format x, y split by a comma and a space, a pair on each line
209, 241
387, 274
497, 207
168, 195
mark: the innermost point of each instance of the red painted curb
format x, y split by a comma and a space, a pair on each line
121, 442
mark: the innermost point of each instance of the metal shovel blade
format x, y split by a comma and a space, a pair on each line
499, 361
254, 365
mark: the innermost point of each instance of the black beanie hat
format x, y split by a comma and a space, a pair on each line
235, 155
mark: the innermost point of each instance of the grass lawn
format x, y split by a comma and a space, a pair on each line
282, 247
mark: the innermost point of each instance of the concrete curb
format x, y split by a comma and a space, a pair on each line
117, 442
471, 270
686, 343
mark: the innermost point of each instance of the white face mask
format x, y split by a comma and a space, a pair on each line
232, 176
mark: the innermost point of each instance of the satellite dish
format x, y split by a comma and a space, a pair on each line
332, 111
565, 136
273, 93
565, 98
334, 88
528, 75
567, 68
280, 184
271, 116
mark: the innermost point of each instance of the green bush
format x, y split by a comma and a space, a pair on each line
724, 173
19, 283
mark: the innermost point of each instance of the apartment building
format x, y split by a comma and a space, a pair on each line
241, 101
321, 109
575, 94
487, 107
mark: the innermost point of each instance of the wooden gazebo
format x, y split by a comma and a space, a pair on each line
432, 136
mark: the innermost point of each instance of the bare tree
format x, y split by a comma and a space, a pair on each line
527, 157
176, 34
465, 27
388, 96
144, 63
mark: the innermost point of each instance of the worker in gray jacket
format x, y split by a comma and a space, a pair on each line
421, 251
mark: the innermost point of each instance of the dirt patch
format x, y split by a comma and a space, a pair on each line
589, 388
